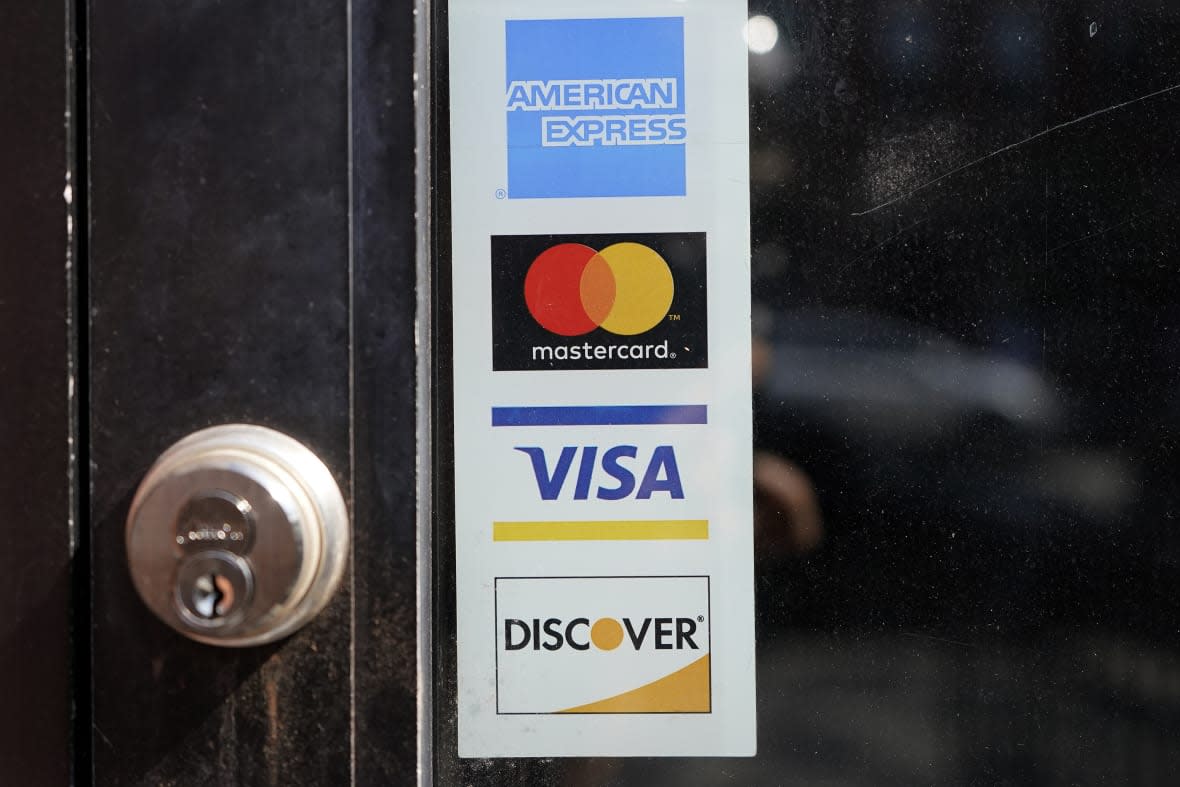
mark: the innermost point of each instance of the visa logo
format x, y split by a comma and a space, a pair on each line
611, 474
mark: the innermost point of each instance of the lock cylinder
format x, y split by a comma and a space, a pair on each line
237, 536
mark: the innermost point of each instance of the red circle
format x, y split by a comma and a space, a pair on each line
553, 289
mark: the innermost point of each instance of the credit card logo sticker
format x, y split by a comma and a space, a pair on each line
603, 645
603, 634
595, 107
633, 301
625, 289
610, 473
613, 475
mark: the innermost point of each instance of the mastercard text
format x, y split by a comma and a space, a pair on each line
587, 351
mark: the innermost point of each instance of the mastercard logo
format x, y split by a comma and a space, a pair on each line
625, 289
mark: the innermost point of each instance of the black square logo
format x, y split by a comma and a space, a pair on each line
631, 301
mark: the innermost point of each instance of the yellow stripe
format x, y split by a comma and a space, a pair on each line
627, 530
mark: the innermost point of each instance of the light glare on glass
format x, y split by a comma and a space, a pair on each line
761, 34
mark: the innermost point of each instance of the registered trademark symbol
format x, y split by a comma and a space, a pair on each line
501, 193
700, 618
671, 355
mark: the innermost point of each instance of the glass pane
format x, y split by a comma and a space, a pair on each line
966, 402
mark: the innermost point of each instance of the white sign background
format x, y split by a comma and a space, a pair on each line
493, 482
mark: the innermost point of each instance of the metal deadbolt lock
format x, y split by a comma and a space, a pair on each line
237, 536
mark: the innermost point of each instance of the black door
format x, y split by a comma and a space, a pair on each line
967, 388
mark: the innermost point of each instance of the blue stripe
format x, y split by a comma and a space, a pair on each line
611, 415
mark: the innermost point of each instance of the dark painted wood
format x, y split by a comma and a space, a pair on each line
219, 286
384, 301
35, 478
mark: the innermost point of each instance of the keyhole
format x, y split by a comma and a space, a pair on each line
213, 595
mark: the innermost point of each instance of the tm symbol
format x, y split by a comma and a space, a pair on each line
674, 317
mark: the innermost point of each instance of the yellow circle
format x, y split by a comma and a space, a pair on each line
643, 288
606, 634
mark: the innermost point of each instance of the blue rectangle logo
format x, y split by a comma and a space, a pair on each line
595, 107
601, 415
